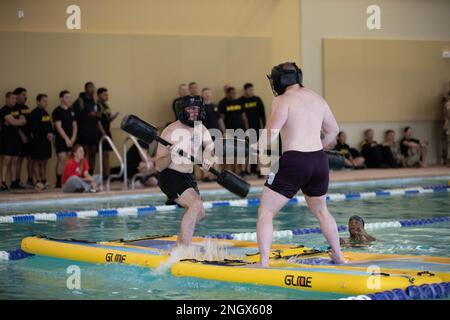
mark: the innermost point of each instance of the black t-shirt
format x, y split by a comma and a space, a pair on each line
8, 131
40, 124
212, 116
254, 109
403, 148
346, 151
343, 148
67, 117
87, 124
233, 110
26, 111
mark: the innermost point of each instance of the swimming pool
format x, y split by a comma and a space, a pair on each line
45, 278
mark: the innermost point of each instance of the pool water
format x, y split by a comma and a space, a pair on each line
45, 278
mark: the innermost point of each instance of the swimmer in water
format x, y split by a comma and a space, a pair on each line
358, 235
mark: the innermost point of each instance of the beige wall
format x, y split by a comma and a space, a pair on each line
400, 20
405, 23
385, 80
141, 50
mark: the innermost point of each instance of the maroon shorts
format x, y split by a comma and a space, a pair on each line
297, 170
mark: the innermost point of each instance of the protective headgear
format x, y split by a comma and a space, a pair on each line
189, 101
280, 78
357, 218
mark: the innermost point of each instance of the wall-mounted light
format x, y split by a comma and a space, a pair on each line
21, 14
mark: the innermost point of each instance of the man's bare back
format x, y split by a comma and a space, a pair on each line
301, 115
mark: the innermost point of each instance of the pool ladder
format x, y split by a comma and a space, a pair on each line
123, 172
143, 156
100, 155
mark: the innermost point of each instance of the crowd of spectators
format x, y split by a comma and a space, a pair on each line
74, 128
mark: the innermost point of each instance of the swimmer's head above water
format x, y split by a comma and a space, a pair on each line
358, 235
355, 225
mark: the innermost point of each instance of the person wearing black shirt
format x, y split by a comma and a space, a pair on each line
41, 133
353, 158
12, 120
104, 125
193, 88
232, 112
21, 96
66, 130
255, 112
372, 151
87, 113
212, 118
214, 124
414, 150
183, 90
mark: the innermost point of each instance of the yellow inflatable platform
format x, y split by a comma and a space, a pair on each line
290, 267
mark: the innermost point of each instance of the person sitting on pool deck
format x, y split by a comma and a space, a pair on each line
175, 172
76, 176
358, 235
298, 116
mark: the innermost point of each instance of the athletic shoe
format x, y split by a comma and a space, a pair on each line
15, 185
39, 186
4, 187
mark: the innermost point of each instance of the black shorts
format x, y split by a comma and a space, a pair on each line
12, 146
26, 149
61, 146
41, 149
88, 141
174, 183
297, 170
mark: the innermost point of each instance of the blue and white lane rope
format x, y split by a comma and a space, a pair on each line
422, 292
15, 254
251, 236
136, 211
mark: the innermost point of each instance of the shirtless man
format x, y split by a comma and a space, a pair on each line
298, 115
175, 173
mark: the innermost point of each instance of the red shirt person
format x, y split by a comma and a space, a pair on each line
76, 177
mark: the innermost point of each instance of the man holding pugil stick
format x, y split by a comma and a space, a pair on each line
175, 172
176, 155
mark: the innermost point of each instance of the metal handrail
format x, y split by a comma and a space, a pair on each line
100, 154
143, 156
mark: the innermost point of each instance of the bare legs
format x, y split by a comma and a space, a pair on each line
272, 202
9, 166
328, 226
194, 212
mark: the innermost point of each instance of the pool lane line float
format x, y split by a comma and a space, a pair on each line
291, 267
143, 210
422, 292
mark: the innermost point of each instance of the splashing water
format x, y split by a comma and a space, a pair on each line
208, 250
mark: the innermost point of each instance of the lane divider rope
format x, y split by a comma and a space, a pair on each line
422, 292
137, 211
